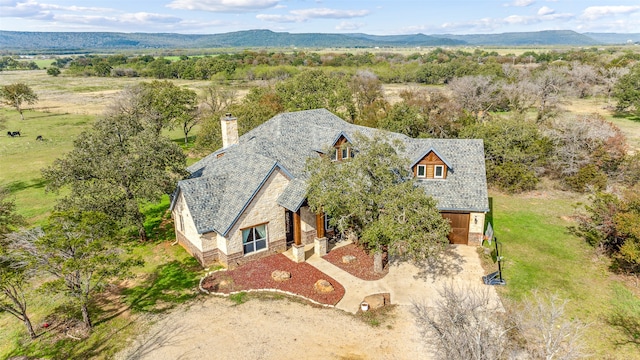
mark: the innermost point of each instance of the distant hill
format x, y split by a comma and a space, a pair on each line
548, 37
614, 38
56, 41
22, 41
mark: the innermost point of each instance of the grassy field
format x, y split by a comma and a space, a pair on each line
541, 254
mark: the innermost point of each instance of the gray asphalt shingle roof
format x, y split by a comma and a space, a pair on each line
220, 188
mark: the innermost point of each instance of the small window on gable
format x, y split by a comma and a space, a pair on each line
438, 172
421, 171
346, 152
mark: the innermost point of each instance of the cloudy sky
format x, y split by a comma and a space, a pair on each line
380, 17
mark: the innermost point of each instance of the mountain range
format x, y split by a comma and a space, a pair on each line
23, 41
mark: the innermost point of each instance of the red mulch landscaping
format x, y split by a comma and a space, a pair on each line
362, 267
257, 275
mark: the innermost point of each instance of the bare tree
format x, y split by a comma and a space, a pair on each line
582, 140
519, 96
610, 77
216, 100
549, 85
475, 94
583, 79
465, 323
368, 94
541, 321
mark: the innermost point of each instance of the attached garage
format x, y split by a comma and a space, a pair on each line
459, 227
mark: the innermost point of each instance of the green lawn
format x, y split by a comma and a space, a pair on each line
540, 253
23, 157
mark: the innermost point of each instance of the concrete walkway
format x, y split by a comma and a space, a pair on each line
408, 283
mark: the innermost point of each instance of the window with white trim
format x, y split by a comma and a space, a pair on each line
438, 172
181, 221
421, 171
334, 156
254, 239
346, 152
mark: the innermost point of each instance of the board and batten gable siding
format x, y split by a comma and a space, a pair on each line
263, 209
430, 160
204, 247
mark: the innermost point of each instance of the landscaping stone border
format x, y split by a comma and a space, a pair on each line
203, 290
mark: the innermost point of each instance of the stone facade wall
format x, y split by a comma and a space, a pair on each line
476, 228
264, 209
204, 258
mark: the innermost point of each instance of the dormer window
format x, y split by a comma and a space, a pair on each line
431, 166
342, 149
438, 172
422, 171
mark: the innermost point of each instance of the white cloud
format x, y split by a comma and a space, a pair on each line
326, 13
228, 6
597, 12
279, 18
545, 11
346, 25
520, 3
303, 15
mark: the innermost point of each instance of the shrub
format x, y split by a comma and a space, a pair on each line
587, 177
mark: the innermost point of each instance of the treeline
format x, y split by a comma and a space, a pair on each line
10, 63
435, 67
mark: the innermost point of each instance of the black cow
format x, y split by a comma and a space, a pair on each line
39, 138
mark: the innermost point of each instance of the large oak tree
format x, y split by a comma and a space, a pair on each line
116, 166
374, 196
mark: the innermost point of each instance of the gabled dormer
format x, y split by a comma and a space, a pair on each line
342, 149
431, 165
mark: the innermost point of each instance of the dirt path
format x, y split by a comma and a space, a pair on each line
275, 329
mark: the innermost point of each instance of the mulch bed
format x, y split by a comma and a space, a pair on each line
257, 275
362, 267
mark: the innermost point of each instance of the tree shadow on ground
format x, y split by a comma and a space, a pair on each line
158, 224
627, 115
23, 185
161, 336
67, 338
448, 263
169, 285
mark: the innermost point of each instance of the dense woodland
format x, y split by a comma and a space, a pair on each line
512, 102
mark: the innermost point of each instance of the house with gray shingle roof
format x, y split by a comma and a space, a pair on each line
247, 200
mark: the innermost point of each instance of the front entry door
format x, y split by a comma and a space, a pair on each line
288, 223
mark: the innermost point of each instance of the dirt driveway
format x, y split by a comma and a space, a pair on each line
216, 328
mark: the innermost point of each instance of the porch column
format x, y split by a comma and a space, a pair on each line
297, 233
320, 225
320, 242
298, 248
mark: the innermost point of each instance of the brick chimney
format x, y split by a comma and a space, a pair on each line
229, 125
